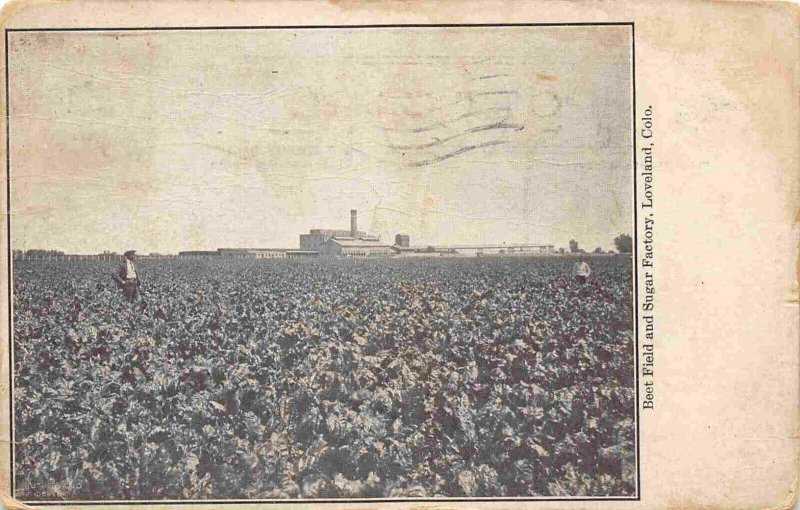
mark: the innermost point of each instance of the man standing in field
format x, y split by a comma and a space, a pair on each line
582, 270
127, 279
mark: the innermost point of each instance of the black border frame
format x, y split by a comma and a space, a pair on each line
634, 262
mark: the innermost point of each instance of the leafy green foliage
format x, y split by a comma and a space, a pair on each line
312, 379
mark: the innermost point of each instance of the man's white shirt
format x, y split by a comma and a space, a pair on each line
130, 271
582, 269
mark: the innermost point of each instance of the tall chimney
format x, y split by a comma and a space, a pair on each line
353, 223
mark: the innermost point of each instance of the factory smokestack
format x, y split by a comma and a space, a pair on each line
353, 223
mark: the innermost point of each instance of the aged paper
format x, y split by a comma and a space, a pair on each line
401, 254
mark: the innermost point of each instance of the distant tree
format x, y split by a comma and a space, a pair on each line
561, 250
573, 246
624, 243
598, 250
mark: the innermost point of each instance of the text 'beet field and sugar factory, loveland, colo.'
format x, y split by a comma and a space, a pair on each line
647, 333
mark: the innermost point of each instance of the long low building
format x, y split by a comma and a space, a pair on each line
253, 253
198, 254
301, 254
355, 247
472, 250
249, 253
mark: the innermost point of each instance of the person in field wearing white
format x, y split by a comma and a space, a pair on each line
582, 271
127, 279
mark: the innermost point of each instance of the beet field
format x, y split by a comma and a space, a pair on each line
384, 378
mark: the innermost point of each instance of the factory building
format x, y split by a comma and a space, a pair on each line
302, 254
267, 253
252, 253
198, 254
356, 243
316, 237
402, 240
344, 243
349, 247
474, 250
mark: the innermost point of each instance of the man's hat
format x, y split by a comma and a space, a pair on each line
130, 252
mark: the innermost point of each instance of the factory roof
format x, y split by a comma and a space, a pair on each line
333, 232
477, 246
246, 250
350, 242
198, 252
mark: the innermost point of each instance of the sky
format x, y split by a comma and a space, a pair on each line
186, 140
